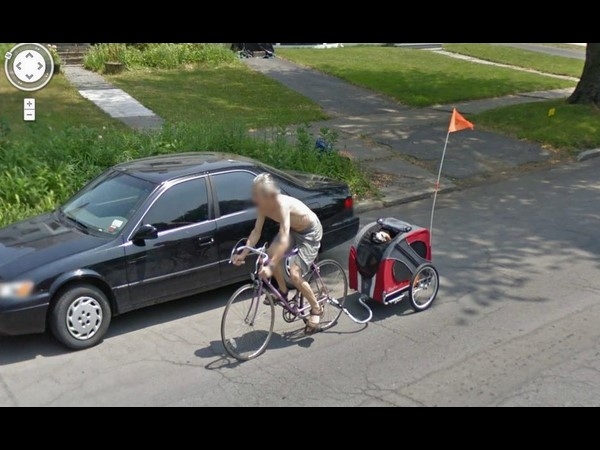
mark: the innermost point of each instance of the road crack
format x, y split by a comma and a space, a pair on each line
9, 392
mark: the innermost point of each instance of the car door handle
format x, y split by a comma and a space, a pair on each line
203, 241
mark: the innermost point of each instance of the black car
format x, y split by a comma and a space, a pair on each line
144, 232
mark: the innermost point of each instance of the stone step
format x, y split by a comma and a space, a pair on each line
72, 61
72, 54
71, 47
70, 57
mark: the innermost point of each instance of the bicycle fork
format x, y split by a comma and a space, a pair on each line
253, 310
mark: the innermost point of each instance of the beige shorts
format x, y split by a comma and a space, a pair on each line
308, 244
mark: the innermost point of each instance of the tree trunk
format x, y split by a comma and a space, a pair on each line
588, 89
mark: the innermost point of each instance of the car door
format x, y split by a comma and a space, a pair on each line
184, 258
235, 216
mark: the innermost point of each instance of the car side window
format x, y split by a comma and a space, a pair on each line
234, 191
182, 204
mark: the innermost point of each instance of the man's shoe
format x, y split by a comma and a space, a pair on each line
313, 324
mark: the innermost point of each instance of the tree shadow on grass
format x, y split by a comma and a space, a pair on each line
456, 81
227, 94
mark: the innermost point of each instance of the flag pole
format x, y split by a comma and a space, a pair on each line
437, 185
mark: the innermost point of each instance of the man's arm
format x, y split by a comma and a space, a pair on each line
284, 235
256, 231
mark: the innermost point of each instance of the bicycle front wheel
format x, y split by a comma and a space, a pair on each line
330, 285
247, 323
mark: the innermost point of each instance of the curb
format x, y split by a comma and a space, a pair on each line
588, 154
370, 205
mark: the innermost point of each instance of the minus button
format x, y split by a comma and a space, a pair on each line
29, 109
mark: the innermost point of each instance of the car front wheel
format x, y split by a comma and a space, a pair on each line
80, 316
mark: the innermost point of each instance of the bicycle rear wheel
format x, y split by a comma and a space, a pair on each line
330, 286
247, 323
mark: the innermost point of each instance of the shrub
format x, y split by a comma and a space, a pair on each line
99, 54
39, 173
160, 55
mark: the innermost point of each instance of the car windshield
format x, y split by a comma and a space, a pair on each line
106, 204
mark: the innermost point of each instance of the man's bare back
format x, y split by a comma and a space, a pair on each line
301, 216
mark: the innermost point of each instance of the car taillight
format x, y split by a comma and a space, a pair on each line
348, 203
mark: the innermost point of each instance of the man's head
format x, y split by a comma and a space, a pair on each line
264, 191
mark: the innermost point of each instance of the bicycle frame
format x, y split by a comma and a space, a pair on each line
248, 338
297, 310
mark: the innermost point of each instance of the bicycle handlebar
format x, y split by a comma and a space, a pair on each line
257, 251
260, 251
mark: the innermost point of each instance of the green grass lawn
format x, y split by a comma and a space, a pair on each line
227, 93
522, 58
420, 77
572, 127
44, 162
58, 106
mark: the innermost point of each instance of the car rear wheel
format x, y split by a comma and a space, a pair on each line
80, 316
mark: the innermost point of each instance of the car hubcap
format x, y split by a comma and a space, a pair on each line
84, 318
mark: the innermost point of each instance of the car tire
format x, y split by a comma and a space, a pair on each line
80, 316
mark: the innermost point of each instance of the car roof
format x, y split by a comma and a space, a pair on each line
159, 169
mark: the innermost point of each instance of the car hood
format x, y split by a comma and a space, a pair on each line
27, 245
315, 181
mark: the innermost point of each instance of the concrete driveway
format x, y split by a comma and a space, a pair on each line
516, 323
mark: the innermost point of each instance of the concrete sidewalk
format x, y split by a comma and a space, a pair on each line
574, 53
335, 96
113, 101
497, 64
402, 146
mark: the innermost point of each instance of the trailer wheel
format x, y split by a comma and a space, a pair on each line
424, 287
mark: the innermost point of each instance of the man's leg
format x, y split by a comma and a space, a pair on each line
279, 277
302, 285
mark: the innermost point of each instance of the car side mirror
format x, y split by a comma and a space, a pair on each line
145, 232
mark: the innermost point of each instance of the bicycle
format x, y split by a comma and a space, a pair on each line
247, 323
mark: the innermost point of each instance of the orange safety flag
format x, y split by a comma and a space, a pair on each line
458, 122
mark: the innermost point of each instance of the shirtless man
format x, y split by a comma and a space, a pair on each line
299, 226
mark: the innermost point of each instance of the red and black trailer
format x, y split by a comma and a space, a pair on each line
398, 269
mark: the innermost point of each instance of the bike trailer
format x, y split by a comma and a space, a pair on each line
397, 268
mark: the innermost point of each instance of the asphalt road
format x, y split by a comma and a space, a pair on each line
550, 50
516, 323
